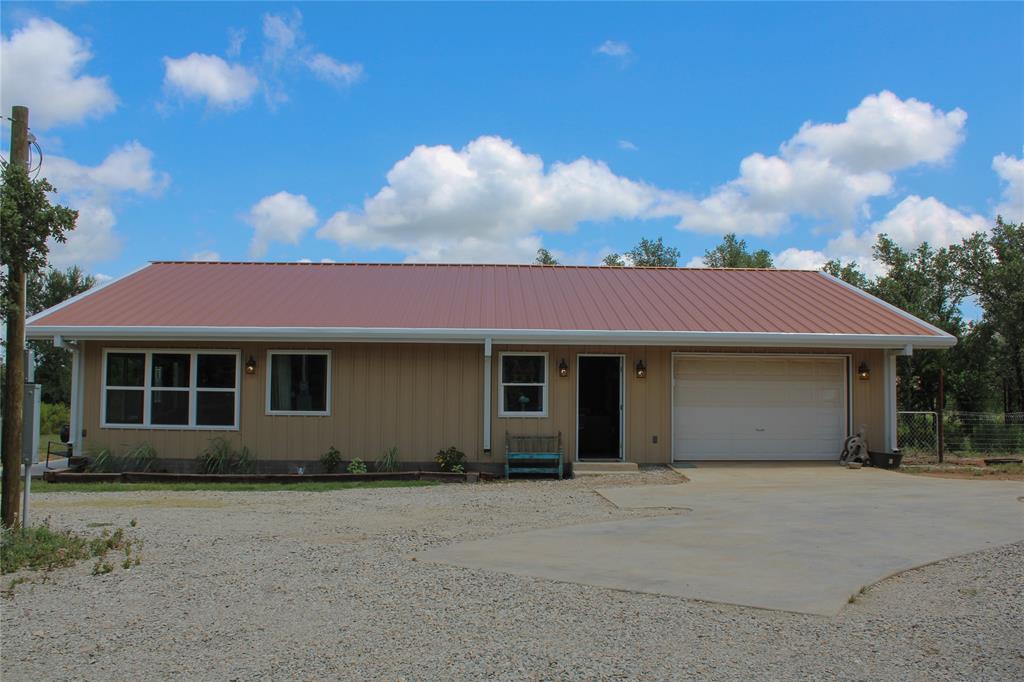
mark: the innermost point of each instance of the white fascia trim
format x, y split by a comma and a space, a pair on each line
498, 336
891, 307
79, 297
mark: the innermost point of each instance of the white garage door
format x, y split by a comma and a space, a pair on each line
758, 407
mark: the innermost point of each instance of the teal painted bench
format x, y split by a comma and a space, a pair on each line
533, 455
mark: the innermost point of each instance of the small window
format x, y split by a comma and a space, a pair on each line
298, 382
523, 384
125, 388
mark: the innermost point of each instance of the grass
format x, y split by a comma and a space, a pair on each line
42, 548
312, 486
1013, 470
44, 438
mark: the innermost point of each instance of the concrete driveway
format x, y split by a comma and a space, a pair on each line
800, 538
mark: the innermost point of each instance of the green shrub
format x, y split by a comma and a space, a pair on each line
42, 548
52, 416
220, 457
451, 459
330, 460
356, 466
140, 458
388, 461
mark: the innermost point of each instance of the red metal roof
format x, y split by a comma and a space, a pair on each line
486, 297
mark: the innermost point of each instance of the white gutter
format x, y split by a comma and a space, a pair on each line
499, 336
487, 396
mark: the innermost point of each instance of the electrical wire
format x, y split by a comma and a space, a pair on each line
39, 166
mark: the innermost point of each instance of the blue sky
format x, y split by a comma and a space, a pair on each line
392, 132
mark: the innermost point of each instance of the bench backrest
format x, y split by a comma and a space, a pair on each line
533, 444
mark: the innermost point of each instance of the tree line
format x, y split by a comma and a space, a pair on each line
984, 372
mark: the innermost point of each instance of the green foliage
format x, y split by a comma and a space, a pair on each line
220, 457
53, 417
42, 548
544, 257
330, 460
142, 457
356, 466
653, 254
848, 272
53, 365
388, 461
29, 220
991, 267
613, 260
450, 459
733, 253
646, 254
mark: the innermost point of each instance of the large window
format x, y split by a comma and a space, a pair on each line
299, 382
523, 385
170, 389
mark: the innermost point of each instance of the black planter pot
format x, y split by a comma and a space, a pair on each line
886, 460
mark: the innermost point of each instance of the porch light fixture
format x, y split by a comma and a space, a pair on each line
863, 372
563, 369
641, 370
250, 365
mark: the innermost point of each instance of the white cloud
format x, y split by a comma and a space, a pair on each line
281, 217
828, 171
486, 202
627, 146
799, 259
334, 72
236, 38
206, 76
41, 67
95, 191
205, 256
614, 48
1011, 171
883, 133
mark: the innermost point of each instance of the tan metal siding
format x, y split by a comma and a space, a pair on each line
423, 397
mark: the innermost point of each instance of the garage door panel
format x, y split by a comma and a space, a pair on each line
758, 407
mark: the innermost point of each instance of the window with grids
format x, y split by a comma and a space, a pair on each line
523, 384
170, 389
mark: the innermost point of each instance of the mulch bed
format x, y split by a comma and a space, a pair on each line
151, 477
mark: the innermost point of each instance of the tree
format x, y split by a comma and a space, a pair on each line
544, 257
991, 268
923, 282
653, 254
848, 272
53, 365
613, 260
29, 220
733, 253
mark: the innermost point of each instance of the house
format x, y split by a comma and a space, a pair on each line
633, 364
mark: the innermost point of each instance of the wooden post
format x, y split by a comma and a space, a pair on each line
14, 377
941, 426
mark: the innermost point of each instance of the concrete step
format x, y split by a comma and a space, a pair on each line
598, 468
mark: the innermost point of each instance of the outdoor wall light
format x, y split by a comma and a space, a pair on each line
863, 372
563, 369
641, 370
250, 365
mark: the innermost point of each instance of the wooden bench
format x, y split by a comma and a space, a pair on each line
533, 455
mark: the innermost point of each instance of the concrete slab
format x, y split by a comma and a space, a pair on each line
800, 538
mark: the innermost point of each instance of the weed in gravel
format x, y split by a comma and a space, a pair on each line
43, 548
102, 567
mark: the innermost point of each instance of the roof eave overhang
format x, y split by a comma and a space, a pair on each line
506, 336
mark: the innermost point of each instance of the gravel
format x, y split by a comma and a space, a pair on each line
293, 585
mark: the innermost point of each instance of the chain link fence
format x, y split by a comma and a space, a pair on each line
964, 435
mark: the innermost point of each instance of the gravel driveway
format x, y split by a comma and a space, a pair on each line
290, 585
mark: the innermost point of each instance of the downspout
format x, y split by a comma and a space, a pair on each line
487, 395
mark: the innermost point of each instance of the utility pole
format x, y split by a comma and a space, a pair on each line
14, 377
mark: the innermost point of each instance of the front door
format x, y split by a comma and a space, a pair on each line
599, 407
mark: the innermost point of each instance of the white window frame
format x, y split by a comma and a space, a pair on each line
502, 384
147, 388
269, 381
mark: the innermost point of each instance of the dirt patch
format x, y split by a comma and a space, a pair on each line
91, 500
975, 469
